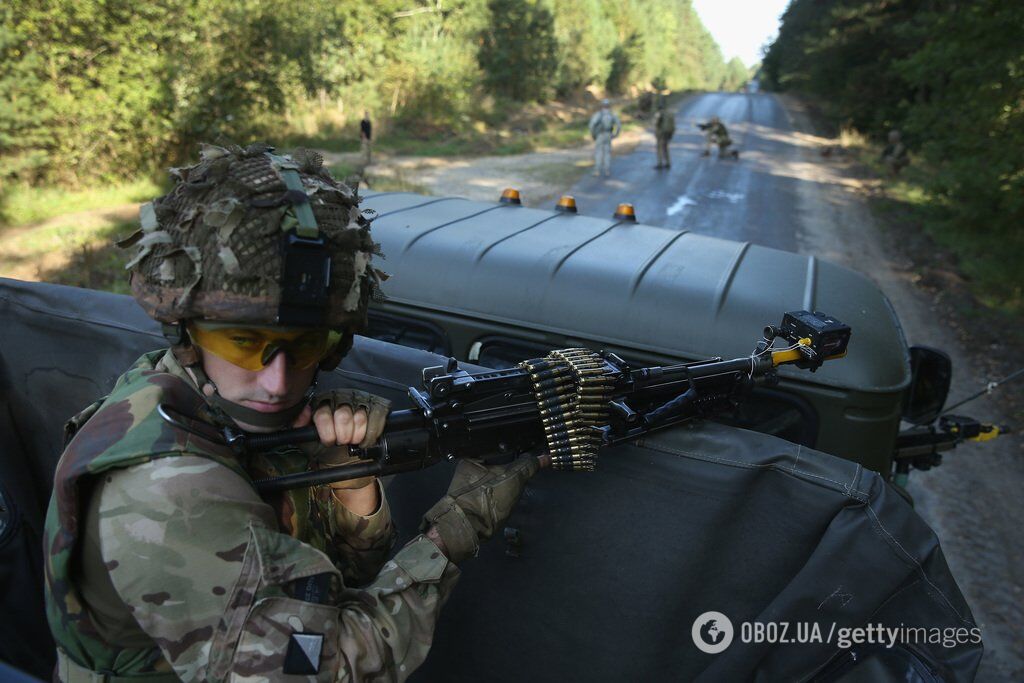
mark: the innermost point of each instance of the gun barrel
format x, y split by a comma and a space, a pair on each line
517, 410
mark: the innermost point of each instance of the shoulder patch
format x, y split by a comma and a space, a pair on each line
303, 656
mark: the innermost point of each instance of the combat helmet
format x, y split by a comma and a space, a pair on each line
253, 237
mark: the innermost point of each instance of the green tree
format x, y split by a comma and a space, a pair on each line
585, 36
951, 77
625, 61
518, 49
438, 70
24, 105
736, 74
99, 75
967, 112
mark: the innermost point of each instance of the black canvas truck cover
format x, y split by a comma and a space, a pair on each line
600, 576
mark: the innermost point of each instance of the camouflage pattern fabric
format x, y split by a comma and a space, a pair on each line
605, 122
664, 129
894, 155
210, 248
604, 125
715, 133
719, 135
357, 545
479, 500
664, 123
220, 582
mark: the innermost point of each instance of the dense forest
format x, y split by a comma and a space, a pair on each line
100, 90
949, 75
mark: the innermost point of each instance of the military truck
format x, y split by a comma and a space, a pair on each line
494, 283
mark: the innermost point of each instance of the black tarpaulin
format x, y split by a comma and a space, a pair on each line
601, 576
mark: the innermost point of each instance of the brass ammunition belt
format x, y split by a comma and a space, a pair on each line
572, 394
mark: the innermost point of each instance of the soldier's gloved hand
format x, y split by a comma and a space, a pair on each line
479, 500
345, 417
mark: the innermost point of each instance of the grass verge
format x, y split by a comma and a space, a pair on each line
474, 141
989, 265
79, 253
22, 205
519, 130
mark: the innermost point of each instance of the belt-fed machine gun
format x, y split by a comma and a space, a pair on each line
563, 407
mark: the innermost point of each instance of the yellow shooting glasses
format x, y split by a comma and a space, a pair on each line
252, 348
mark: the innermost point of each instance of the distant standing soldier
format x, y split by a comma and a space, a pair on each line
366, 138
715, 133
604, 125
895, 156
664, 128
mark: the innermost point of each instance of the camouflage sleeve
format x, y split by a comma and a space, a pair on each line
193, 553
362, 543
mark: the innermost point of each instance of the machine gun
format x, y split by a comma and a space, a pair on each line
565, 406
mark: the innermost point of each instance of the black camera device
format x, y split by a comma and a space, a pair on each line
829, 337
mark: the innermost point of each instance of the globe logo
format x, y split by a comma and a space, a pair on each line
712, 632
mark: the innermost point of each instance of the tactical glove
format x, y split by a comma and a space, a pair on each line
376, 408
479, 500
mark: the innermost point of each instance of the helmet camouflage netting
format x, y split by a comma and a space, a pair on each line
213, 247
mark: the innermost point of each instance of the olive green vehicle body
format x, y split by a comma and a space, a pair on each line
489, 283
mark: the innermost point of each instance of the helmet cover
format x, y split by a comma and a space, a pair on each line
220, 245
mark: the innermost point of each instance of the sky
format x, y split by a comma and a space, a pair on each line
741, 27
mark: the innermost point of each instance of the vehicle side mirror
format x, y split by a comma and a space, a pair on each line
931, 372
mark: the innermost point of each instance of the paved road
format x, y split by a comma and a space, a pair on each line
749, 200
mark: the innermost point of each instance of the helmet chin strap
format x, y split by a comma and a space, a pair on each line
233, 412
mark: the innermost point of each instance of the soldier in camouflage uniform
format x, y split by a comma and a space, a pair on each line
604, 126
894, 155
715, 133
162, 560
664, 129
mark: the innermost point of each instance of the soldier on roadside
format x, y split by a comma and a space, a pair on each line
894, 155
604, 126
664, 129
366, 139
163, 562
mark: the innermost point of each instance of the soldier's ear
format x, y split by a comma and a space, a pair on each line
184, 350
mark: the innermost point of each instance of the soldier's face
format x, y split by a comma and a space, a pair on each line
275, 387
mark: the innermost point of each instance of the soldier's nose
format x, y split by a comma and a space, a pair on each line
273, 378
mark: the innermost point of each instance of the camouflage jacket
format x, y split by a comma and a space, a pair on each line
604, 125
717, 133
161, 557
664, 124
